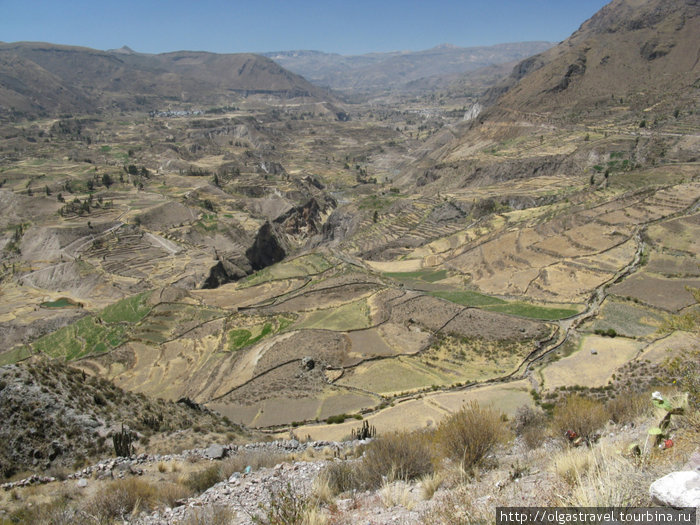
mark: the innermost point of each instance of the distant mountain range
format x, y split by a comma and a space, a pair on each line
378, 71
48, 79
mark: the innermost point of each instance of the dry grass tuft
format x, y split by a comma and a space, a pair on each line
571, 464
321, 489
610, 480
430, 483
455, 508
343, 476
211, 515
396, 494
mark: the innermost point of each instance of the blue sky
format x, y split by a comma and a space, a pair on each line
346, 27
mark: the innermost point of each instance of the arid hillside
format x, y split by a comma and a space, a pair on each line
303, 266
48, 79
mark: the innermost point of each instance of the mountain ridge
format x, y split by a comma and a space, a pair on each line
395, 69
91, 79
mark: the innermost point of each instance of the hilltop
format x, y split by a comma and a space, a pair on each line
48, 79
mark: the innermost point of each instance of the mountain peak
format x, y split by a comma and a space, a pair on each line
124, 50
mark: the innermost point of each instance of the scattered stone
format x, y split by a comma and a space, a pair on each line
308, 363
215, 451
677, 489
82, 483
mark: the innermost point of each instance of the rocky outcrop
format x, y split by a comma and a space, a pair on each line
677, 489
269, 247
230, 267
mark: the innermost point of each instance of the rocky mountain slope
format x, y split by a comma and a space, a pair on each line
633, 65
48, 79
56, 417
644, 54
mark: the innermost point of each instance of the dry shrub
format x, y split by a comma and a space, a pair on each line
57, 512
211, 515
684, 371
469, 435
122, 498
203, 479
580, 414
169, 493
254, 459
628, 406
528, 423
342, 476
396, 456
289, 507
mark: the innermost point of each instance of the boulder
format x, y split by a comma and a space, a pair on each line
215, 451
677, 489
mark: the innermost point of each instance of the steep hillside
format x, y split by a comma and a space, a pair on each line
627, 79
89, 79
54, 415
631, 53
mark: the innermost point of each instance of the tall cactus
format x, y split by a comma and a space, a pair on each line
123, 442
365, 431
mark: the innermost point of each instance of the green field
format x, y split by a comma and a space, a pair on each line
533, 311
87, 336
300, 267
427, 275
351, 316
241, 337
15, 355
129, 310
468, 298
494, 304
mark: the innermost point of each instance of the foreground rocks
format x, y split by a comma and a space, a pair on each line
677, 489
121, 466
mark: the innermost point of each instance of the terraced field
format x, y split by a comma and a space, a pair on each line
389, 287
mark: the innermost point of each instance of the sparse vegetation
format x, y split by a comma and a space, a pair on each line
581, 415
470, 434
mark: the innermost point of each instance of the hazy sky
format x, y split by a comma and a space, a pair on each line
347, 27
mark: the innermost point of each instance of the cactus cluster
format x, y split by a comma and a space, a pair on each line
365, 431
123, 442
